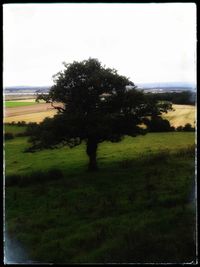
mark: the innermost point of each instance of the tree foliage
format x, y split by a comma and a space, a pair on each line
158, 124
97, 105
186, 128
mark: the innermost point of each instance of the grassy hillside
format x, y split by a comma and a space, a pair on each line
130, 211
108, 153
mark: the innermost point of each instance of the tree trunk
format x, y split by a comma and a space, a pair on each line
92, 153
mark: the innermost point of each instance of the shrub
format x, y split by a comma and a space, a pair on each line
179, 129
158, 124
21, 123
31, 128
187, 128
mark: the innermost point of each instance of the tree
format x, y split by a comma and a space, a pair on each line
98, 104
158, 124
188, 128
179, 128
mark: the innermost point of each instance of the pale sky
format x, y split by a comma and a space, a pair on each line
145, 42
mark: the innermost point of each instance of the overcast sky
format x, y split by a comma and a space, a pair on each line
146, 42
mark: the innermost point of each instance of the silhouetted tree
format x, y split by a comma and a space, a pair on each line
97, 105
179, 128
188, 128
158, 124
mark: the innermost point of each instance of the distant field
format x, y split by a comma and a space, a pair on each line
29, 113
32, 117
181, 115
19, 103
26, 100
19, 97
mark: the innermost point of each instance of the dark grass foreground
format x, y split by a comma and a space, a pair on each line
133, 210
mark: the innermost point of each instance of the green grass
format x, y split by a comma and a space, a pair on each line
109, 153
135, 209
14, 129
14, 104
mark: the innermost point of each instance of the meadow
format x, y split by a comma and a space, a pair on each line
139, 207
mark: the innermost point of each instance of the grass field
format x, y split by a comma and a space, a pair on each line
21, 111
19, 103
20, 97
181, 115
137, 208
32, 117
66, 158
14, 129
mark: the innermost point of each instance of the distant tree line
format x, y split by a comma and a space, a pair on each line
187, 128
184, 98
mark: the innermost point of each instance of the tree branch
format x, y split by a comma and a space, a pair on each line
60, 109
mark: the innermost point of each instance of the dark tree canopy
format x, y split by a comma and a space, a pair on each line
98, 104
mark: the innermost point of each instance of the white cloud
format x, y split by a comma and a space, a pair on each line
146, 42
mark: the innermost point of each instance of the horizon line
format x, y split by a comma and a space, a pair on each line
136, 83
